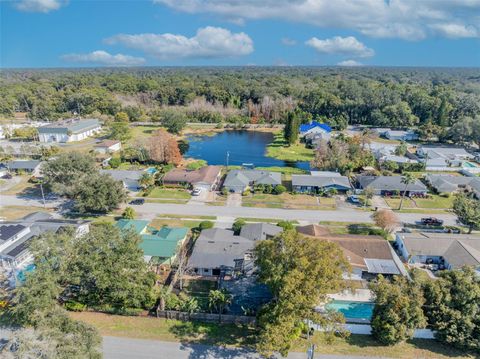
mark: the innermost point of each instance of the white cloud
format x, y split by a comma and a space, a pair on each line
100, 57
38, 5
349, 63
288, 42
208, 42
406, 19
456, 30
338, 45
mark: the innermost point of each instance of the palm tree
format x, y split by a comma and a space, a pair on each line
407, 179
218, 300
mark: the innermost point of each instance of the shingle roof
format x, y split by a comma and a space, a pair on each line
445, 183
245, 177
207, 174
217, 248
389, 183
320, 181
457, 249
259, 231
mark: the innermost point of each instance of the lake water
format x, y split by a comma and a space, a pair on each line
243, 147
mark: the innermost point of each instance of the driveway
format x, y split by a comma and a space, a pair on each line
234, 200
379, 202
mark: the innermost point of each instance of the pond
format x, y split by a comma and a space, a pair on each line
242, 146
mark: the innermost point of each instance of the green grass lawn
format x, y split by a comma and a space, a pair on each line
160, 222
265, 220
180, 216
432, 202
296, 152
169, 193
287, 200
236, 335
284, 170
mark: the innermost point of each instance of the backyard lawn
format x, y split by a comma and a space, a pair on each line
10, 213
287, 200
297, 152
233, 335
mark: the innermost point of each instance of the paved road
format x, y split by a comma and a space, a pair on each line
150, 210
126, 348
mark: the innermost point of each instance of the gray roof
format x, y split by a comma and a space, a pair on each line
381, 266
123, 175
73, 125
37, 224
30, 165
219, 248
445, 183
245, 177
389, 183
258, 231
446, 152
321, 181
457, 249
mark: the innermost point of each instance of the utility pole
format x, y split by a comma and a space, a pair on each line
43, 195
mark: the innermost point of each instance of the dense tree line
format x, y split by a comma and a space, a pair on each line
373, 96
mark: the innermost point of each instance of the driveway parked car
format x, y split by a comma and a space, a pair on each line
196, 191
353, 199
431, 221
138, 201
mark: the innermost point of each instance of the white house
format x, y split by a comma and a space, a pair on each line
108, 146
74, 129
400, 135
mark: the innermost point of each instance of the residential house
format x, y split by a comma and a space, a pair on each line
260, 231
28, 166
314, 139
218, 251
439, 158
69, 130
239, 180
368, 256
445, 183
315, 127
387, 185
449, 251
17, 236
400, 135
206, 178
130, 179
3, 170
160, 247
320, 181
108, 146
400, 160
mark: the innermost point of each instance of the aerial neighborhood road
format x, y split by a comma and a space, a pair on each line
150, 210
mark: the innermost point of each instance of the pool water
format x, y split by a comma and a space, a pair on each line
22, 273
151, 170
469, 164
350, 309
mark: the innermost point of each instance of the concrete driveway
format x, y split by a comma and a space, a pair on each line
234, 200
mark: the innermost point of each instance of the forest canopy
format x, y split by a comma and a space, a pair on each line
397, 97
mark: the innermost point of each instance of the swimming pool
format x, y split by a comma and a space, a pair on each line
350, 309
469, 164
151, 170
22, 273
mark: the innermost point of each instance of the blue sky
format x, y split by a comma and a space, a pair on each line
79, 33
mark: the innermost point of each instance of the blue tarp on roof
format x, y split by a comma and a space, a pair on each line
309, 126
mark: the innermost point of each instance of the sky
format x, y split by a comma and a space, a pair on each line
90, 33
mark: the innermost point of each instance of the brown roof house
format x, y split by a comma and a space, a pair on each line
367, 255
205, 178
108, 146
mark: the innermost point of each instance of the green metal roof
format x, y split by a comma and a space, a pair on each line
137, 225
164, 242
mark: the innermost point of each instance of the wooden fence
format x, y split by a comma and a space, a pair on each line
206, 317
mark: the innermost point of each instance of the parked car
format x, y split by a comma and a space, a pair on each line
138, 201
431, 221
353, 199
196, 191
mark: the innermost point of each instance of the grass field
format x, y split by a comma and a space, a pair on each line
432, 202
23, 186
287, 200
264, 220
233, 335
208, 218
169, 193
160, 222
141, 133
297, 152
9, 213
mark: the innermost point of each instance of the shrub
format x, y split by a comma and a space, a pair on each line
224, 191
205, 225
74, 306
115, 162
246, 192
237, 226
128, 213
279, 189
286, 225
